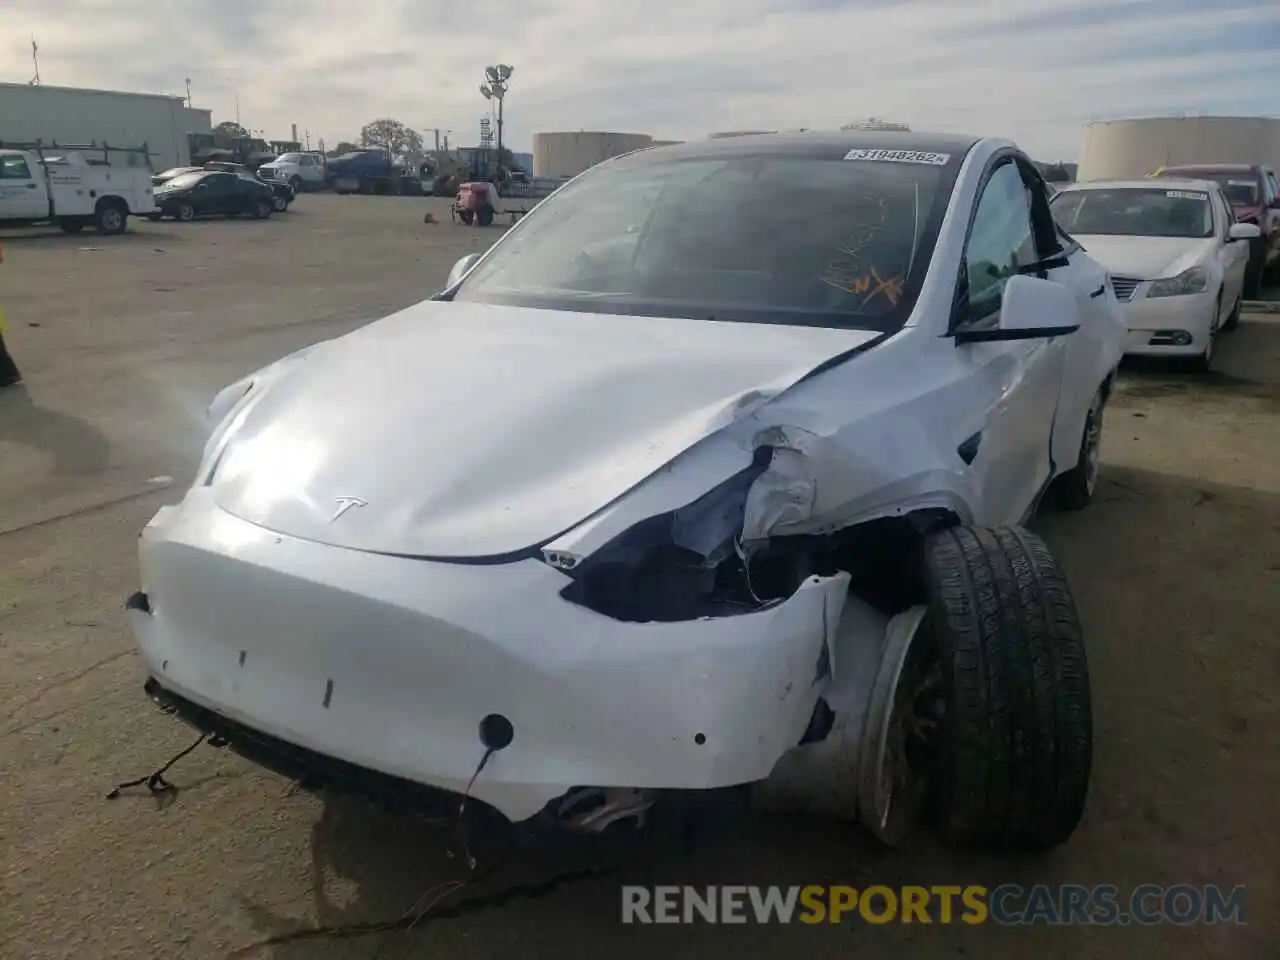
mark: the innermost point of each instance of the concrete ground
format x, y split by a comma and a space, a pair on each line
123, 341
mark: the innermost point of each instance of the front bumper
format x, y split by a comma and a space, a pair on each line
388, 664
1151, 321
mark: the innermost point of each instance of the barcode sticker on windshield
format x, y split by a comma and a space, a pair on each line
900, 156
1184, 195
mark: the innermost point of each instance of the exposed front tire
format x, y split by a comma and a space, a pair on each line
111, 217
1233, 321
1014, 750
1074, 489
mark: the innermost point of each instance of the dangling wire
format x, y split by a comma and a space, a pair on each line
156, 782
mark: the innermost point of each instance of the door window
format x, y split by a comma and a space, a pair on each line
14, 168
1001, 242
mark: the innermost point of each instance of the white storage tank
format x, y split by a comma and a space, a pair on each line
560, 155
1120, 149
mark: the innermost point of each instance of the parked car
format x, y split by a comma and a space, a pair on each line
164, 176
302, 171
669, 492
1177, 258
38, 186
204, 193
1254, 194
282, 194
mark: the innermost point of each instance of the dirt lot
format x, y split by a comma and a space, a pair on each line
123, 341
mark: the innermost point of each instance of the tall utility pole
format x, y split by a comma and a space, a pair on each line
188, 83
497, 79
35, 60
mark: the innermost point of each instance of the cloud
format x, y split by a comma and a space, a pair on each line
1035, 71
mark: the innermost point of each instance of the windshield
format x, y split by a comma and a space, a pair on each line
755, 238
1135, 212
1240, 188
172, 172
184, 180
287, 158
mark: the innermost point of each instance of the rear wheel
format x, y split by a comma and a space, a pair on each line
1015, 745
185, 212
111, 216
484, 216
261, 209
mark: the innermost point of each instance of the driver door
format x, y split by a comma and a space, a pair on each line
218, 194
1016, 381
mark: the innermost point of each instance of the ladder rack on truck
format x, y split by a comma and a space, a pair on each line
54, 148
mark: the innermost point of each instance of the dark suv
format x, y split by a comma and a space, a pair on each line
1255, 197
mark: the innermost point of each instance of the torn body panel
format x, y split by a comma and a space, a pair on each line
389, 663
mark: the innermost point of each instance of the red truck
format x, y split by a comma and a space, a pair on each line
1255, 198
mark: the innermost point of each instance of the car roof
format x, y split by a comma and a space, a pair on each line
1216, 167
1150, 183
817, 145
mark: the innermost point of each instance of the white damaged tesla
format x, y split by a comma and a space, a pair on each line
709, 473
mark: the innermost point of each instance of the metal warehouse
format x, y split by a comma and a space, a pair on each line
1119, 149
74, 115
559, 155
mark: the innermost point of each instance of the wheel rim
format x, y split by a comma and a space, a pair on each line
111, 219
186, 212
1093, 446
278, 203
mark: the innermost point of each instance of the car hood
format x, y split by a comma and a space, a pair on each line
1145, 258
458, 430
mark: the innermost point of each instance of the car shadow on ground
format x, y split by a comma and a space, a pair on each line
77, 448
1184, 671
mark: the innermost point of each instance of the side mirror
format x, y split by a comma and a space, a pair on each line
461, 269
1243, 231
1030, 309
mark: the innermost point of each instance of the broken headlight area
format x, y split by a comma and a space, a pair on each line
691, 563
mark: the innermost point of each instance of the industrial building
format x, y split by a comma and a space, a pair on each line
561, 155
73, 115
1119, 149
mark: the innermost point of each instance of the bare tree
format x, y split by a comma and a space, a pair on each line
392, 136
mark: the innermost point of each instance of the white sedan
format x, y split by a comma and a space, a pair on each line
672, 491
1176, 255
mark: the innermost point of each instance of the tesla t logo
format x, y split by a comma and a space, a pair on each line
345, 504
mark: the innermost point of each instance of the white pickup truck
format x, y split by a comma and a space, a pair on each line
64, 188
302, 171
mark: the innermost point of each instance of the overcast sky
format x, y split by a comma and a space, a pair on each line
1035, 70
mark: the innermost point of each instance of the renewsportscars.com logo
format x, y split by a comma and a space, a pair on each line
1007, 905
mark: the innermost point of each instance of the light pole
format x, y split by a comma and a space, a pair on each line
496, 81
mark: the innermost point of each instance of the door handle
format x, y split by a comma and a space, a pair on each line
1099, 292
31, 186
